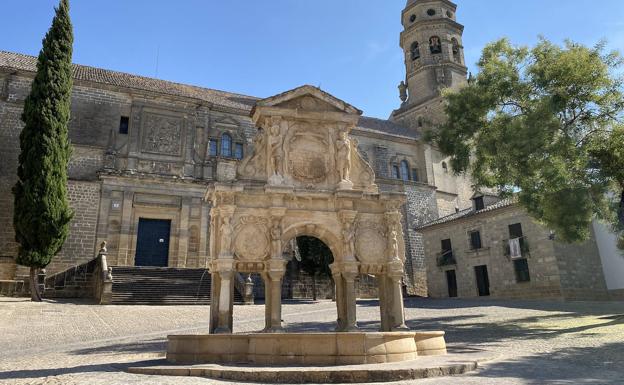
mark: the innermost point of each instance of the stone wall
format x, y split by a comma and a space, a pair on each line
84, 198
493, 227
580, 270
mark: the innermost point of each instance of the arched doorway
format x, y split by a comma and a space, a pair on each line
308, 271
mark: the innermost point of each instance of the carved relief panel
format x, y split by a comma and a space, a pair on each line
162, 134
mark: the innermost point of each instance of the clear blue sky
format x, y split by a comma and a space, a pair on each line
348, 47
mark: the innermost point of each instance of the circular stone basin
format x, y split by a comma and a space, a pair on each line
313, 349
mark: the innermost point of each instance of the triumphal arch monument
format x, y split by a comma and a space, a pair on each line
305, 177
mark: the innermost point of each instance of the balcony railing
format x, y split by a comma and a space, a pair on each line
524, 247
446, 258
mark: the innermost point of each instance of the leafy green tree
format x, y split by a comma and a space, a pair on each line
315, 259
42, 213
543, 124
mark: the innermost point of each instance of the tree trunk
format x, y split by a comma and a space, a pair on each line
314, 287
621, 209
35, 296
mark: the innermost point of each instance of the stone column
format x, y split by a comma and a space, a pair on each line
340, 301
123, 249
267, 301
397, 315
383, 303
276, 301
225, 302
183, 233
350, 301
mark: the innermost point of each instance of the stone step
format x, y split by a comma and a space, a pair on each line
162, 286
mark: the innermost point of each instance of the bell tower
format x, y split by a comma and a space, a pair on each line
434, 60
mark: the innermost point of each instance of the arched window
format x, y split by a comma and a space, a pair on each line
405, 174
455, 45
415, 50
420, 121
444, 167
435, 45
226, 145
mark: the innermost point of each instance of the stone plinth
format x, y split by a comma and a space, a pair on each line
304, 349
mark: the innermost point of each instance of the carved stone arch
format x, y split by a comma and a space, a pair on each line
317, 231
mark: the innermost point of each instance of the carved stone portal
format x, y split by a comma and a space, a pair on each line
305, 177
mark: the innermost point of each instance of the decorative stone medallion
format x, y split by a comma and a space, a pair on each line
308, 158
252, 242
370, 244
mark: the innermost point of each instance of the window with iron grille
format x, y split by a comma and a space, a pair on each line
238, 151
213, 147
226, 145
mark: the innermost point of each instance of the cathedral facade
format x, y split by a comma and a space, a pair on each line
145, 151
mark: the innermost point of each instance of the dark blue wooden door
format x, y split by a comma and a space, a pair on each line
152, 242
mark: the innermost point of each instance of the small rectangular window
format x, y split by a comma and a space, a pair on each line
446, 245
238, 151
124, 122
395, 172
521, 267
415, 175
515, 230
475, 240
212, 147
479, 205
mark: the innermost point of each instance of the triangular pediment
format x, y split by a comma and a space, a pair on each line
309, 98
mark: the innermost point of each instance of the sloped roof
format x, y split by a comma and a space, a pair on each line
468, 213
386, 127
10, 60
16, 61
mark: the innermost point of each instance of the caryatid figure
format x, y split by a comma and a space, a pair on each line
393, 246
226, 235
276, 237
275, 144
343, 156
348, 233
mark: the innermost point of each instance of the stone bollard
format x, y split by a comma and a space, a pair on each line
248, 296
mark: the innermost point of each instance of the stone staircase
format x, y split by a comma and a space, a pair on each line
162, 286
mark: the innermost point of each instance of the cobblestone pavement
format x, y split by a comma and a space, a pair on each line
533, 342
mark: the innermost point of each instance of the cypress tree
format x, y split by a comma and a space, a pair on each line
42, 212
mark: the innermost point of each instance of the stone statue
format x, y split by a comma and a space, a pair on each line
277, 152
393, 246
276, 236
226, 235
403, 91
343, 156
348, 233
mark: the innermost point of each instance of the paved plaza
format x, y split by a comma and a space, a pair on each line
531, 342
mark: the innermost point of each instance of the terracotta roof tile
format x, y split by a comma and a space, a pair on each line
468, 213
17, 61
